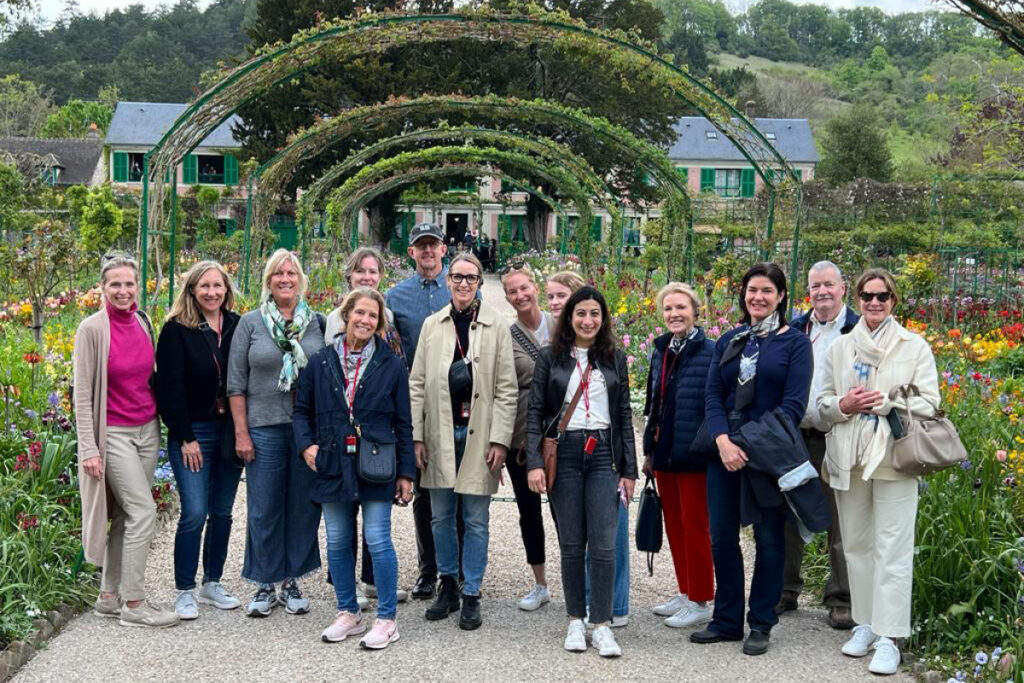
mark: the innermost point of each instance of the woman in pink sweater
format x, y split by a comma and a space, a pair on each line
118, 442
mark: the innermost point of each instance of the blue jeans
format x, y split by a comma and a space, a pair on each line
769, 560
207, 497
339, 519
620, 593
476, 513
585, 502
281, 537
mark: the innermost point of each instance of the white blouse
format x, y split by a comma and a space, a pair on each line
599, 414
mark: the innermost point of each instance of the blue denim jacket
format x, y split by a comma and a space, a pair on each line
412, 301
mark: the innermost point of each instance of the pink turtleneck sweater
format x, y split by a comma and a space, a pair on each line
130, 399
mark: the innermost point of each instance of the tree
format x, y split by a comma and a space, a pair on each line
1004, 17
791, 96
23, 107
74, 119
99, 219
855, 146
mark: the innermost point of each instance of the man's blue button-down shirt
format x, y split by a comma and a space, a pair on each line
412, 301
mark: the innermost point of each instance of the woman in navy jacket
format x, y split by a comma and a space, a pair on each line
358, 372
759, 366
675, 411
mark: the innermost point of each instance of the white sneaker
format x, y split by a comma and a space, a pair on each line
616, 622
576, 636
690, 615
361, 599
604, 642
186, 606
533, 600
212, 593
886, 660
667, 609
401, 595
861, 641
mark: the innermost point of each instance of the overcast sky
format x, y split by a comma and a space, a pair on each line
51, 9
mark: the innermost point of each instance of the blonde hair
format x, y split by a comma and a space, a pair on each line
273, 263
185, 310
678, 288
466, 256
878, 274
356, 258
523, 269
109, 262
353, 297
568, 278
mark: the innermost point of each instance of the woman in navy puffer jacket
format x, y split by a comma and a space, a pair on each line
675, 411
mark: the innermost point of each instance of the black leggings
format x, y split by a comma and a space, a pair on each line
531, 523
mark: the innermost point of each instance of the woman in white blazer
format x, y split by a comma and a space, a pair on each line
877, 505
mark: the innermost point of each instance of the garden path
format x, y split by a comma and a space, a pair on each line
511, 645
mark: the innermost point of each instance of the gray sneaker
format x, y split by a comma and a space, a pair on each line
292, 598
146, 615
214, 594
109, 608
186, 606
263, 602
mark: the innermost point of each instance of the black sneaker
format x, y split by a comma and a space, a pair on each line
291, 598
425, 587
263, 602
470, 619
447, 600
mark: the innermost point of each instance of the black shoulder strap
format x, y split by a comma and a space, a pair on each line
524, 342
148, 325
323, 325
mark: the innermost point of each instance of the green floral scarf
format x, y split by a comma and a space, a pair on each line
288, 337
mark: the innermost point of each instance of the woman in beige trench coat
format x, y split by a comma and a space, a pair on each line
464, 394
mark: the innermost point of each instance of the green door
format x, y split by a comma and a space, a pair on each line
400, 238
285, 230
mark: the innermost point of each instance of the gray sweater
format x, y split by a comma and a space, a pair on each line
255, 367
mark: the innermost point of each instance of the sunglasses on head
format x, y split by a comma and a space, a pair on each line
514, 265
881, 296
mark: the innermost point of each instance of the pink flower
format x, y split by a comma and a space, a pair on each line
658, 331
630, 359
1001, 455
625, 340
643, 346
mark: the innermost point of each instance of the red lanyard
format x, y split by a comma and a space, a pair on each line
664, 362
585, 383
351, 397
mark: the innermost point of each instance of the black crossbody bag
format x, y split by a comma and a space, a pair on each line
375, 462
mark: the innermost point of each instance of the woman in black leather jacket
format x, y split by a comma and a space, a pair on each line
596, 456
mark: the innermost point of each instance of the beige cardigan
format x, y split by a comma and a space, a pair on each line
492, 408
909, 360
92, 349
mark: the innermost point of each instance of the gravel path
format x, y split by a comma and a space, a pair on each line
511, 644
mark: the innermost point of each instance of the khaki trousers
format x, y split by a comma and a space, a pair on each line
131, 461
877, 518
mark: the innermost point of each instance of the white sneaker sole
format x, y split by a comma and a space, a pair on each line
188, 617
533, 607
366, 646
258, 614
696, 622
357, 631
135, 624
219, 605
300, 610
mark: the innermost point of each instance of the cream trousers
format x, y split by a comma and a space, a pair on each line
877, 519
130, 463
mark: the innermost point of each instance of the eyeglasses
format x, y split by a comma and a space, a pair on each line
882, 297
459, 278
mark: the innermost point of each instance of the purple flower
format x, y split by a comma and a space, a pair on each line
1020, 565
965, 464
981, 658
53, 399
31, 414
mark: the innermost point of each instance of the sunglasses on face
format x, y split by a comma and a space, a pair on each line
882, 297
459, 278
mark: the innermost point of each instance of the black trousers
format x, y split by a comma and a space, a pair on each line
531, 522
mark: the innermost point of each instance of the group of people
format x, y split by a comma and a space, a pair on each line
426, 395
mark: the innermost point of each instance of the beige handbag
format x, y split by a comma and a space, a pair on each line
928, 445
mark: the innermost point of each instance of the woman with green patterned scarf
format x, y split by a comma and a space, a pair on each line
271, 346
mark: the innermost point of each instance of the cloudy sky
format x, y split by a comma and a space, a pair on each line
50, 9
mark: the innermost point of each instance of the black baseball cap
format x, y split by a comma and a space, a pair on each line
425, 230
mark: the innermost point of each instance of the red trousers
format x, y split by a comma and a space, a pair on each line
684, 500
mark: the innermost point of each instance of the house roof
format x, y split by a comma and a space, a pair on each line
144, 123
76, 157
793, 139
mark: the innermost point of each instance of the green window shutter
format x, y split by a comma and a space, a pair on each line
230, 170
707, 180
684, 172
120, 167
190, 170
800, 173
747, 182
503, 228
230, 225
595, 229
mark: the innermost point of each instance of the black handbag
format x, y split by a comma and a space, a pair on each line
648, 523
459, 377
376, 461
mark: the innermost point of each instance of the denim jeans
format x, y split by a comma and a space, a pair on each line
339, 518
476, 516
769, 558
281, 536
585, 503
620, 594
207, 497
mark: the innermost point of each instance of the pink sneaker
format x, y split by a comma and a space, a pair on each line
345, 624
383, 633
